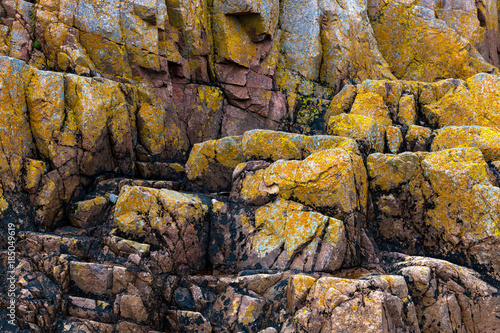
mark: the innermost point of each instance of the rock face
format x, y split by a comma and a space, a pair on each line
442, 199
415, 37
280, 235
249, 166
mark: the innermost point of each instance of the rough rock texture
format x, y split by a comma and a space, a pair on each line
438, 202
211, 163
429, 40
280, 235
249, 166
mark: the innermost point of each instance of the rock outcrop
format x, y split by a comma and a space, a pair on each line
249, 166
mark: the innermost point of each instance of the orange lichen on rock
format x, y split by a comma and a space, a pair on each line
484, 138
284, 223
473, 102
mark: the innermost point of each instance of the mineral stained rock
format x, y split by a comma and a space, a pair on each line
249, 166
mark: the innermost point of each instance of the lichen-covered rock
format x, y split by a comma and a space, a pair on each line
189, 321
15, 133
342, 102
280, 235
418, 138
200, 107
473, 102
102, 101
417, 44
235, 309
132, 307
211, 163
486, 139
311, 181
376, 304
173, 221
82, 127
231, 39
447, 295
373, 106
88, 213
34, 170
440, 201
407, 114
394, 139
369, 135
333, 181
301, 38
350, 52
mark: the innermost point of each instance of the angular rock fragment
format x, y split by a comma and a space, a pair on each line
378, 304
211, 164
332, 181
369, 135
280, 235
172, 221
447, 295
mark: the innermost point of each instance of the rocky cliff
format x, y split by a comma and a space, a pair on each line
250, 166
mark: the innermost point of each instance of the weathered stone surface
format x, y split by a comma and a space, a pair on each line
407, 110
417, 44
373, 106
447, 295
91, 278
132, 307
418, 138
473, 102
333, 181
102, 102
188, 321
15, 134
89, 309
201, 111
394, 139
445, 196
88, 213
172, 221
211, 163
342, 102
350, 51
302, 43
280, 235
369, 135
378, 304
486, 139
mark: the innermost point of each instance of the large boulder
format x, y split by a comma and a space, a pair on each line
475, 101
174, 222
441, 203
211, 163
484, 138
15, 134
446, 296
368, 133
376, 304
280, 235
332, 181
